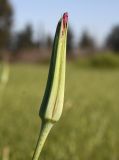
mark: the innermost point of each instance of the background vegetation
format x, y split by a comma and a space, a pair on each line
88, 128
14, 43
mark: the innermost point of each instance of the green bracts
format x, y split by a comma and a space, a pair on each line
52, 104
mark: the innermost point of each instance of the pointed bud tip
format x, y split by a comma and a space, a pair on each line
65, 18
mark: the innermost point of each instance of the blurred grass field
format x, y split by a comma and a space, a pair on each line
89, 127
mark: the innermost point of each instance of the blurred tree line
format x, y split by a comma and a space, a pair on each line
6, 14
24, 38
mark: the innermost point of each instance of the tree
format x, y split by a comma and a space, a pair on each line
6, 14
24, 38
86, 42
112, 41
49, 41
70, 37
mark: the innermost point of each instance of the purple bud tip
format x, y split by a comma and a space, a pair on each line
65, 18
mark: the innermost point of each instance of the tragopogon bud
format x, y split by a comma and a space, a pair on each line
52, 104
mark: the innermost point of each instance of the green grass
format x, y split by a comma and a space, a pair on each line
100, 60
89, 127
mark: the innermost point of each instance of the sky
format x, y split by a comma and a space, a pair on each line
96, 16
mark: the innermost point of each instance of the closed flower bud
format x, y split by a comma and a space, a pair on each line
52, 104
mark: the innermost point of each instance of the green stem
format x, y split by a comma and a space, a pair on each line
45, 129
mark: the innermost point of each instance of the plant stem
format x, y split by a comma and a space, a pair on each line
45, 129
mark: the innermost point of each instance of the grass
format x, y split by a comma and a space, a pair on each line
89, 127
100, 60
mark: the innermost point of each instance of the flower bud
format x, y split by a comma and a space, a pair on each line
52, 104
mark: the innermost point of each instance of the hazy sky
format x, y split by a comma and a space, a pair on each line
98, 16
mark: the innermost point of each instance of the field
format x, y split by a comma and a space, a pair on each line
89, 126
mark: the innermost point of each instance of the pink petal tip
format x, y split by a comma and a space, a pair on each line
65, 18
